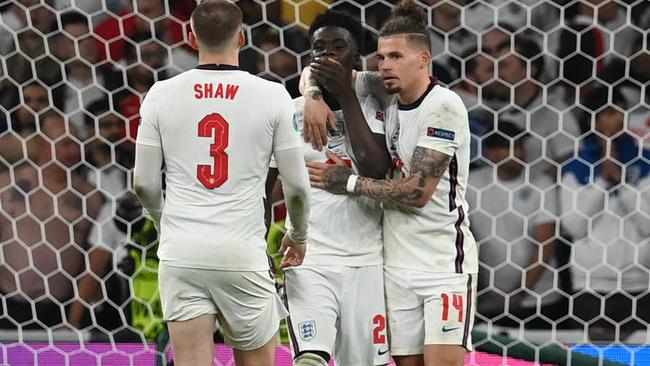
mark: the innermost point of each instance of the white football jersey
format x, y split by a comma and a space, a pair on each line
343, 229
217, 127
435, 238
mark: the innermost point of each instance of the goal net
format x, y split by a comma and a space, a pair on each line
559, 197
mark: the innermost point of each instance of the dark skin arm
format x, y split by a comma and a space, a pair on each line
369, 148
427, 168
271, 179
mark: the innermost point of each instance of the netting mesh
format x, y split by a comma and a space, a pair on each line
559, 197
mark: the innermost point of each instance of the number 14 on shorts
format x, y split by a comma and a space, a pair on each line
452, 306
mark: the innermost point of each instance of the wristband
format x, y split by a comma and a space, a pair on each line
352, 183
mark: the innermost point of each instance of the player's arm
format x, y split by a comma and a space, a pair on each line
288, 154
147, 175
317, 115
370, 153
147, 180
271, 179
427, 167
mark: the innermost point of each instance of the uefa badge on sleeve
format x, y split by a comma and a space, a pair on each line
307, 330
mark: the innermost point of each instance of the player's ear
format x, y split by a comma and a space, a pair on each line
192, 40
425, 58
242, 38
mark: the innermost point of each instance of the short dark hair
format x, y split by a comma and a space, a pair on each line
215, 22
410, 20
506, 132
529, 50
335, 18
73, 17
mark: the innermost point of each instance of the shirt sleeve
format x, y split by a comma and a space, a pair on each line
374, 114
445, 125
148, 132
285, 134
369, 83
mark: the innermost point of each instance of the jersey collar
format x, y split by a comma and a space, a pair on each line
411, 106
217, 67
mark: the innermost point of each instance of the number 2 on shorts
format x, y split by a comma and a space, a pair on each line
379, 336
213, 176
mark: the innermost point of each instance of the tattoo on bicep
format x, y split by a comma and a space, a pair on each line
429, 163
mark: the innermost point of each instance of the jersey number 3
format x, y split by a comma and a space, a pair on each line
213, 176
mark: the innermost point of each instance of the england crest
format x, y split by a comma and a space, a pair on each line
307, 330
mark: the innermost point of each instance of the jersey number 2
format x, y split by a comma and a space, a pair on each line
379, 336
213, 176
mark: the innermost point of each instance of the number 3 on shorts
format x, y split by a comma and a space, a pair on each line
457, 303
213, 176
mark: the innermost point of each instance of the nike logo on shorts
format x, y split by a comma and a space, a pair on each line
382, 352
445, 329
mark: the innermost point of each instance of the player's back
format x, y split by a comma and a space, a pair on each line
216, 128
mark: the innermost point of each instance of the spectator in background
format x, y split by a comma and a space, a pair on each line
448, 38
147, 61
477, 85
107, 149
43, 252
535, 109
15, 19
33, 61
23, 124
514, 221
605, 203
581, 68
136, 22
83, 82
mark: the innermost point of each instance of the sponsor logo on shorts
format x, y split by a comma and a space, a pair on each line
382, 352
307, 330
445, 329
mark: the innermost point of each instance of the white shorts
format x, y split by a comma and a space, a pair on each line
428, 308
247, 305
340, 310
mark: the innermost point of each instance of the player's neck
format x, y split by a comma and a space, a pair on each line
415, 91
231, 58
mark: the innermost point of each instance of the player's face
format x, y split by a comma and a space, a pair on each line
399, 63
336, 43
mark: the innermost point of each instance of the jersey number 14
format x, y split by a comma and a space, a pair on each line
213, 176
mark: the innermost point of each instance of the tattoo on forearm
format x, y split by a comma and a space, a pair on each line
425, 164
314, 94
402, 190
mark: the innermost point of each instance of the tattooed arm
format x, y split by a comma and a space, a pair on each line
427, 167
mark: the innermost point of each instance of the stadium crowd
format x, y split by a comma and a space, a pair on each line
560, 177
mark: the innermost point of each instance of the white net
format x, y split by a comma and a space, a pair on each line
559, 188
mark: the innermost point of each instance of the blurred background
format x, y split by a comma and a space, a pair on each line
559, 184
